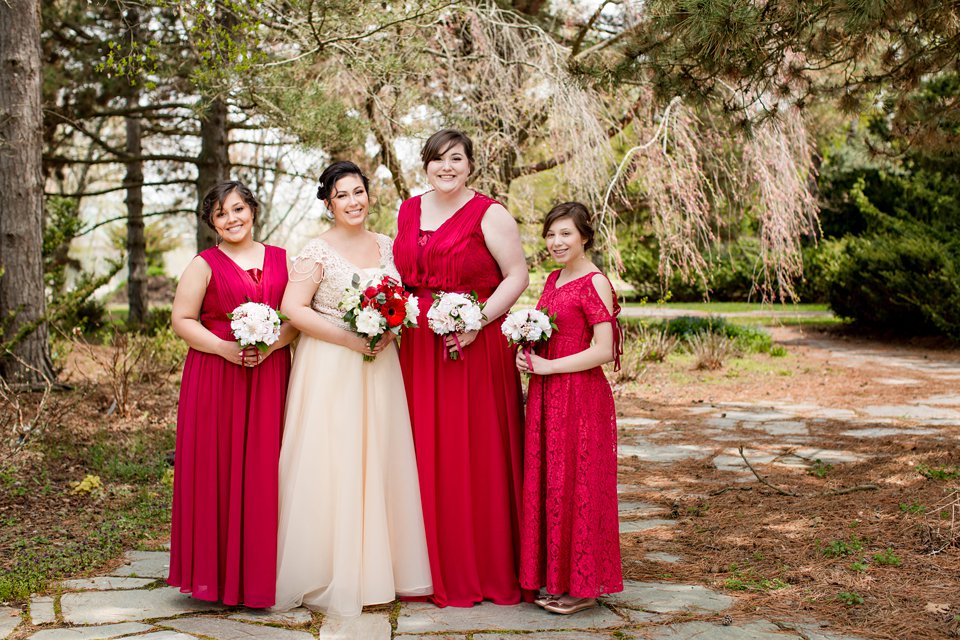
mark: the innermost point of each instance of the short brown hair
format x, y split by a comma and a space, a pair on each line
213, 200
580, 216
440, 142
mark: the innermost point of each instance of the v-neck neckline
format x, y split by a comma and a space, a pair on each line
262, 267
420, 228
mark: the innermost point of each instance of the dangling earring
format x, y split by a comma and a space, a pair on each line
328, 215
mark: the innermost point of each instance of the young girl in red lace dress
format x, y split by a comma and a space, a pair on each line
569, 538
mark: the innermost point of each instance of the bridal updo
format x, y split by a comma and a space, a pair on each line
332, 174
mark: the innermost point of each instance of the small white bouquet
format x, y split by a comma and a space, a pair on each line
527, 327
453, 313
255, 324
377, 307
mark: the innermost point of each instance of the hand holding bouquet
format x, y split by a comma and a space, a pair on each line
453, 313
380, 306
255, 324
526, 327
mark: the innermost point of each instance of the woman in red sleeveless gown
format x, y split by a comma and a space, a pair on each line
570, 537
223, 543
466, 414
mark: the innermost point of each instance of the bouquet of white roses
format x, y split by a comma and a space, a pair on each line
255, 324
453, 313
377, 307
526, 327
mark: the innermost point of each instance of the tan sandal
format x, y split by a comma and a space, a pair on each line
573, 607
544, 600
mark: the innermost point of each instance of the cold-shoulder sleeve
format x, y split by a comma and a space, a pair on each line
596, 312
305, 264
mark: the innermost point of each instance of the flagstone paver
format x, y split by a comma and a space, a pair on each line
635, 526
759, 630
167, 635
628, 508
99, 607
145, 564
10, 619
662, 556
883, 432
945, 399
669, 597
105, 583
549, 635
369, 626
816, 631
294, 617
649, 452
423, 617
912, 412
223, 629
41, 610
784, 428
637, 422
92, 633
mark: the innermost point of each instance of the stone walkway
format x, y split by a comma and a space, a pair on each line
134, 602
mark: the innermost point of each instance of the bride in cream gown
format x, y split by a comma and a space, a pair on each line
351, 527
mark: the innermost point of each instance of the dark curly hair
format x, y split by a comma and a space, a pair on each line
577, 213
332, 174
213, 200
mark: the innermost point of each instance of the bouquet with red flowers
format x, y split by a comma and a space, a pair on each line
377, 307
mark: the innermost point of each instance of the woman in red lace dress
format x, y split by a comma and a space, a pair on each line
466, 414
223, 543
570, 540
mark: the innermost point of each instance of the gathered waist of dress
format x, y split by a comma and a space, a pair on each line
425, 292
219, 327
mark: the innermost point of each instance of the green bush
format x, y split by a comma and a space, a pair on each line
907, 283
730, 275
748, 339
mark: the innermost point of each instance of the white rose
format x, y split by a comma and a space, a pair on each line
413, 310
370, 322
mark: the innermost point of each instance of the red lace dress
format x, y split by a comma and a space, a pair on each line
223, 540
570, 539
466, 415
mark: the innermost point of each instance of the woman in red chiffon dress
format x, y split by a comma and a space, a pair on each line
223, 543
466, 414
570, 539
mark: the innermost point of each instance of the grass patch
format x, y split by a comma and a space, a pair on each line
841, 548
39, 560
850, 598
887, 558
747, 579
938, 473
819, 468
913, 507
733, 307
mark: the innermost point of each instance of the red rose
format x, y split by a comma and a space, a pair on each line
370, 292
395, 311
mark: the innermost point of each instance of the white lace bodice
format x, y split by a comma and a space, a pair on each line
338, 274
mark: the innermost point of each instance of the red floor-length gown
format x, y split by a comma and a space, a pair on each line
466, 414
570, 540
223, 544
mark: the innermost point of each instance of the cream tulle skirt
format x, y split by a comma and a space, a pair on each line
351, 526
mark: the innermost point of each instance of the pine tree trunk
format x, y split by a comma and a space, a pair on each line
136, 241
22, 294
213, 165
